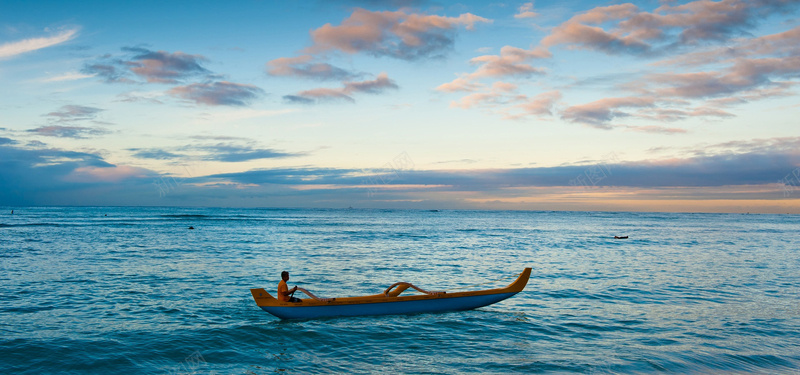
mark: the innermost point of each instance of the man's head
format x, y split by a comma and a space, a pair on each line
285, 275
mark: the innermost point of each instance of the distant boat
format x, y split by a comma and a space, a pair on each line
621, 237
390, 302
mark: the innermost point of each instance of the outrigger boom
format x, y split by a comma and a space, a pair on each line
389, 302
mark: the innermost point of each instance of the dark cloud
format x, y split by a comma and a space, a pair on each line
703, 20
152, 66
293, 176
164, 67
222, 152
625, 29
76, 132
319, 95
744, 75
752, 168
298, 99
51, 176
59, 177
109, 72
7, 141
218, 93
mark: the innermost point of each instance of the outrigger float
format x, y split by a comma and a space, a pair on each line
390, 302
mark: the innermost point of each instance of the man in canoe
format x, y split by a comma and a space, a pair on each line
284, 293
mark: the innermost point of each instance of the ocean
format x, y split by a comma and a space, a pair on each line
104, 290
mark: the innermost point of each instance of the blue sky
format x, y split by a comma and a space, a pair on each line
569, 105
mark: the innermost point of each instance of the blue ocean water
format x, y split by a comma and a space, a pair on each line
133, 290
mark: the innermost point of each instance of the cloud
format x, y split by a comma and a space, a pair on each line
744, 75
755, 162
542, 104
510, 63
12, 49
304, 67
598, 113
526, 11
218, 93
463, 83
716, 20
232, 153
300, 99
376, 86
7, 141
636, 32
222, 152
743, 70
315, 96
164, 67
154, 153
397, 34
113, 174
781, 44
498, 93
152, 66
75, 132
656, 129
401, 35
48, 176
69, 76
109, 72
57, 177
74, 113
151, 97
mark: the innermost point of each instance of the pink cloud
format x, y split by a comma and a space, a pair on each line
459, 84
743, 76
396, 34
785, 43
526, 11
598, 113
541, 104
576, 33
510, 63
376, 86
497, 94
305, 67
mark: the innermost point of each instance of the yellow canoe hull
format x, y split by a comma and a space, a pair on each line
387, 304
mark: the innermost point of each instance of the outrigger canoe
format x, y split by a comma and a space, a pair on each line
390, 302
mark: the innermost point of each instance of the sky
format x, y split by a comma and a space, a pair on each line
668, 106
